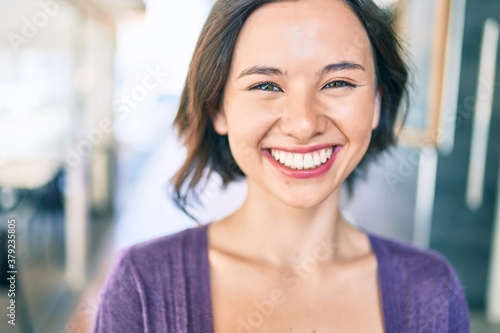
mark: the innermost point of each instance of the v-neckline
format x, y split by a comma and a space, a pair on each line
383, 280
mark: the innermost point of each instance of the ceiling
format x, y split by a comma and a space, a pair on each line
13, 14
45, 23
117, 7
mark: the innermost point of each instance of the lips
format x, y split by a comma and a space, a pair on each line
302, 161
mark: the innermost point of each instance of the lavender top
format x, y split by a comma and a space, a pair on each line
164, 286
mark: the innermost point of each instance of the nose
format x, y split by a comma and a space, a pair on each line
302, 118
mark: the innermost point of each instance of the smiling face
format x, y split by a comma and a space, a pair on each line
300, 101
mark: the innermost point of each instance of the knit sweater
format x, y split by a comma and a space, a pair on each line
164, 286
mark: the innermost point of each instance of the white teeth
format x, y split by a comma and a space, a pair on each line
308, 161
317, 160
282, 157
322, 156
289, 160
302, 161
298, 162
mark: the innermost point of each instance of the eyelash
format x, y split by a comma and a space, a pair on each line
343, 84
259, 86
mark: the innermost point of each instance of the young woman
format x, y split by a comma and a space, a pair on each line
295, 96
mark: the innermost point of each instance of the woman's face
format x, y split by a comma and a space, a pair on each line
300, 101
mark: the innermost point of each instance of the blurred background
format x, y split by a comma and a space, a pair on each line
88, 92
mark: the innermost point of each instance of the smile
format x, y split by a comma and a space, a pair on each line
297, 161
303, 163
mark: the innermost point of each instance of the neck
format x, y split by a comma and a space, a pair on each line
273, 232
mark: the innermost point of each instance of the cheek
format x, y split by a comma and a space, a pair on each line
247, 127
355, 120
249, 122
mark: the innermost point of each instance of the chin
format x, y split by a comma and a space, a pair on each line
305, 201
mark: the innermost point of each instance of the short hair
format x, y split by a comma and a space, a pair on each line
209, 152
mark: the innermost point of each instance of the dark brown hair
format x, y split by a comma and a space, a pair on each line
209, 152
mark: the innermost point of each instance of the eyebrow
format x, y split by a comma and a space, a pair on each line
273, 71
262, 70
341, 66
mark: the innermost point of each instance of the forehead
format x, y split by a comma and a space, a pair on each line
306, 30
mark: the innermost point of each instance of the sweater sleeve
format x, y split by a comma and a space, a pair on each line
458, 313
121, 304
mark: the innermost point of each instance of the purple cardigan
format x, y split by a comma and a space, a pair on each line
163, 286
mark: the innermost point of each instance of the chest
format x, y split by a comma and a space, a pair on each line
256, 301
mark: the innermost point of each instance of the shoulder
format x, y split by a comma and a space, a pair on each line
179, 242
410, 261
167, 253
420, 287
152, 262
147, 276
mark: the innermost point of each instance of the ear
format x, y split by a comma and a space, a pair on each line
376, 109
220, 122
